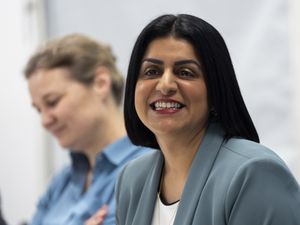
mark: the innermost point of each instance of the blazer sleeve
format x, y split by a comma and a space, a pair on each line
263, 192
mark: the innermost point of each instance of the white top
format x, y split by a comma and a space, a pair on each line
164, 214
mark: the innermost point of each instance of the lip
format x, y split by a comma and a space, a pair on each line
57, 131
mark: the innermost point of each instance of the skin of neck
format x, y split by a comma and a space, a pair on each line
179, 152
112, 128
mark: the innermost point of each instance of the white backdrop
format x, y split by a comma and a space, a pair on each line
260, 34
259, 37
22, 147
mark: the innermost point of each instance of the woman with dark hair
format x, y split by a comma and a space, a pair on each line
182, 97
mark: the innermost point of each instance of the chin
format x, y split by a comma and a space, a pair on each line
69, 143
65, 144
165, 127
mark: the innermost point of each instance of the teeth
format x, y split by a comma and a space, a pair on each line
166, 105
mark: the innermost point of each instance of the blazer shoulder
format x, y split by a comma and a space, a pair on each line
238, 157
249, 149
139, 167
253, 161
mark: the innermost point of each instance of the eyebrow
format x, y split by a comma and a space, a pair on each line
189, 61
178, 63
44, 97
156, 61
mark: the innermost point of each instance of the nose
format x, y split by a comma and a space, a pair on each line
47, 119
167, 84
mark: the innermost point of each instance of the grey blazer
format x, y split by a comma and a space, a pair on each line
234, 182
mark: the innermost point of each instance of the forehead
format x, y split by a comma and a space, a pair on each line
44, 81
49, 76
170, 47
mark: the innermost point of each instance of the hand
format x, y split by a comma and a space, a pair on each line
98, 217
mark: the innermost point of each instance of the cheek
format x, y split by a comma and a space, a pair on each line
140, 97
205, 97
64, 113
204, 100
66, 110
137, 101
198, 95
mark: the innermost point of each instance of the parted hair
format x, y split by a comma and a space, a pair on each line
81, 55
224, 96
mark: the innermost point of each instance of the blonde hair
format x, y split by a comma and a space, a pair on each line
80, 54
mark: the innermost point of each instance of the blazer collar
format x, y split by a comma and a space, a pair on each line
145, 209
199, 172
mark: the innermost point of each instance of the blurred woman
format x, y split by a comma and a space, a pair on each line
77, 90
183, 98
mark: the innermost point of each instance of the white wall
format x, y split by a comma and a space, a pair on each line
295, 56
259, 36
21, 140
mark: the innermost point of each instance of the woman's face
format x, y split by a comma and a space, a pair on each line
170, 94
68, 109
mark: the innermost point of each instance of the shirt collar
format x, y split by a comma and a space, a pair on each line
118, 151
115, 153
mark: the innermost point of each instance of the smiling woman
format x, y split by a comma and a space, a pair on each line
182, 97
172, 83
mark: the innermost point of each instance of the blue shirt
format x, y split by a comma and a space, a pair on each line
66, 203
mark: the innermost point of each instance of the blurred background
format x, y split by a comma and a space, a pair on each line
263, 37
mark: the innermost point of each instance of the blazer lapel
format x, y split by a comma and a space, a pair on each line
199, 172
145, 209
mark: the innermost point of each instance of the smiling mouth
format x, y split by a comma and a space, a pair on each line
163, 105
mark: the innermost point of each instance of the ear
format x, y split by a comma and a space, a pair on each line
102, 82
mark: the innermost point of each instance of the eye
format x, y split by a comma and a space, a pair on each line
186, 73
150, 72
52, 102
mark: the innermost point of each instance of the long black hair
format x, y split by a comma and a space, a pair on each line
224, 94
